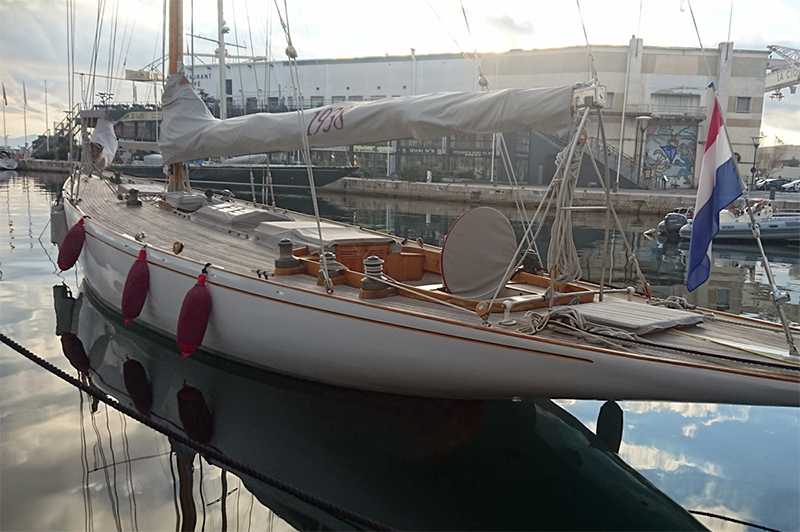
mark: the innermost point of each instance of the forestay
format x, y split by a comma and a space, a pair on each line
189, 131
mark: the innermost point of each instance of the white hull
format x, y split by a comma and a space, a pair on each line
772, 230
365, 345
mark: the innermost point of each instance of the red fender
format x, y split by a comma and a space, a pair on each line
136, 286
193, 319
73, 349
71, 246
194, 414
137, 386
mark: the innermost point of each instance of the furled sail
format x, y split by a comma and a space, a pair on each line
189, 131
103, 144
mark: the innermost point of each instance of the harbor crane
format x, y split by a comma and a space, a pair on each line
784, 72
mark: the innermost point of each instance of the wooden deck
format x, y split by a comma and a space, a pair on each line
722, 340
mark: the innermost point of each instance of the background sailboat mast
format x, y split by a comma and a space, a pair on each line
223, 96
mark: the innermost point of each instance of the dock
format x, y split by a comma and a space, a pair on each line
628, 201
44, 165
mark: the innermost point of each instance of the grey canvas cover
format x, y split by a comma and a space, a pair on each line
189, 131
304, 233
227, 215
477, 252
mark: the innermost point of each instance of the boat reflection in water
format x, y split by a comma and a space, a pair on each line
408, 463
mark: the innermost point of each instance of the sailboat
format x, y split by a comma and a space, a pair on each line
7, 161
234, 174
338, 304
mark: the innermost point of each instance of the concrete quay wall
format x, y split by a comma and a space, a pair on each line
42, 165
624, 201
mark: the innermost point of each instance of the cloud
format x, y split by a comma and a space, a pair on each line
781, 118
509, 25
647, 457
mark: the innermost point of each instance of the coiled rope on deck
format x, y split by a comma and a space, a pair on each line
205, 450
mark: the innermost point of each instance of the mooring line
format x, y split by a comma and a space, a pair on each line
732, 520
205, 450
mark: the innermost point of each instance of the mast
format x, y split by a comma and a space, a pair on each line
178, 179
223, 96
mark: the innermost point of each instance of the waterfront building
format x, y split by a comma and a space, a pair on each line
660, 95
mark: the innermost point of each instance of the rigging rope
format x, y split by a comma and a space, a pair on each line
476, 67
291, 53
732, 520
205, 450
563, 262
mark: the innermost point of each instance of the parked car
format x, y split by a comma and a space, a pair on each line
793, 186
769, 184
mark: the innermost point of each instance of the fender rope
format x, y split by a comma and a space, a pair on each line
205, 450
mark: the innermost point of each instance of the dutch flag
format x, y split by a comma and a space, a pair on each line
718, 187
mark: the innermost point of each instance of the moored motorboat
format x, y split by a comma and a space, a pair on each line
7, 161
672, 223
735, 225
235, 175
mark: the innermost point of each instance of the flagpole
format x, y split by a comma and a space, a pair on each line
778, 297
5, 103
25, 118
46, 119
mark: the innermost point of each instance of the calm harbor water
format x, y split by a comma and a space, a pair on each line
69, 464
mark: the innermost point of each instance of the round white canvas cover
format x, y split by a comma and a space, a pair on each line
476, 253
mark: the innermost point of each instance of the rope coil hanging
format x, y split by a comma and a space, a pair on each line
562, 255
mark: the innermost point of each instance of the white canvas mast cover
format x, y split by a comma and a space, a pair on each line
189, 131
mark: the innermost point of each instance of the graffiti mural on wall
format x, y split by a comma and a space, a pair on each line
670, 152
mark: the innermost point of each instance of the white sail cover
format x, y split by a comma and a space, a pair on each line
103, 144
189, 131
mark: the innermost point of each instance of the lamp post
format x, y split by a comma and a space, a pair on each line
754, 169
642, 121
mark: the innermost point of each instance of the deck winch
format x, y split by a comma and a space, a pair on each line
334, 269
372, 286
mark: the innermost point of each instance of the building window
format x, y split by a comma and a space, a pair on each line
317, 101
743, 104
376, 97
356, 98
676, 104
609, 100
338, 99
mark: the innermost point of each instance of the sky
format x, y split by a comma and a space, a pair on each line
34, 46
